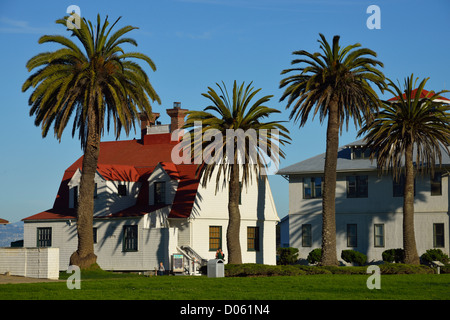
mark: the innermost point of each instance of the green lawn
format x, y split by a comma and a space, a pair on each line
314, 287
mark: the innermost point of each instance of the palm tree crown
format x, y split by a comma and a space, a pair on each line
71, 80
337, 74
410, 120
238, 114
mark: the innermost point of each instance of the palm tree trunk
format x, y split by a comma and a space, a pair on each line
84, 257
409, 240
234, 223
329, 256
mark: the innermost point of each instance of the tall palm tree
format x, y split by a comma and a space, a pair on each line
88, 83
223, 118
334, 83
408, 123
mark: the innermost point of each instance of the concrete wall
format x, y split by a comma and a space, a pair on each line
30, 262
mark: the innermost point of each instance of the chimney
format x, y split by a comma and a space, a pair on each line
147, 121
176, 116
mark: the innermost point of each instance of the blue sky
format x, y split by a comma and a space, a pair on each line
195, 44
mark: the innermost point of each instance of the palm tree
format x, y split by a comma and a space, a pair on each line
336, 84
88, 83
223, 118
408, 123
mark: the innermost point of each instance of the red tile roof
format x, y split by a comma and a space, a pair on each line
423, 94
133, 160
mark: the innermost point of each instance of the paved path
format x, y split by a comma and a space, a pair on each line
16, 279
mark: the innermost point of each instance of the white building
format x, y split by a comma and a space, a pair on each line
368, 206
148, 209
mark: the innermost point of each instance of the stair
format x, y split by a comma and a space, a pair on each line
193, 260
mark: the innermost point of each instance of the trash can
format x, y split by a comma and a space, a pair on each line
216, 268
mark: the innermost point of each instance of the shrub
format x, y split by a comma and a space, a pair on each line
315, 256
400, 268
352, 256
434, 255
257, 270
394, 255
287, 255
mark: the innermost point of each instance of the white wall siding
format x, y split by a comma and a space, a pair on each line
393, 231
379, 207
257, 210
64, 237
153, 244
267, 244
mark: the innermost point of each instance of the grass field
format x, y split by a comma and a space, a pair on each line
106, 286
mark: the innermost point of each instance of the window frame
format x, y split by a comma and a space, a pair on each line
159, 192
437, 184
378, 236
130, 238
398, 187
352, 237
253, 238
306, 235
75, 197
218, 238
94, 233
312, 184
358, 184
122, 190
439, 242
44, 231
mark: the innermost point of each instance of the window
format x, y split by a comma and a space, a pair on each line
312, 187
360, 153
122, 190
240, 192
357, 186
398, 186
160, 195
75, 197
436, 184
379, 235
352, 235
130, 238
215, 238
95, 191
94, 231
44, 237
253, 238
438, 235
306, 235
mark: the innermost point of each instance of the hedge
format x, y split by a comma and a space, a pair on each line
261, 270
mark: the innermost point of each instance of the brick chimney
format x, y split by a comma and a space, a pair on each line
176, 116
147, 120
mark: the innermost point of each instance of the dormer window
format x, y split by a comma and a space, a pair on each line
360, 153
160, 192
122, 190
75, 197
